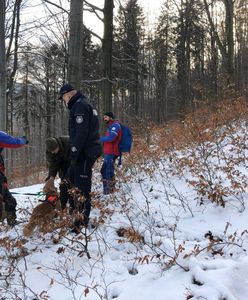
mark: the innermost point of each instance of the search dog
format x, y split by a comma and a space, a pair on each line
44, 213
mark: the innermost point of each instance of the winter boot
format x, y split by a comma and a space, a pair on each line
11, 218
2, 217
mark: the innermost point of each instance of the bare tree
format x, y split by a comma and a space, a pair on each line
226, 47
2, 69
75, 43
107, 54
12, 59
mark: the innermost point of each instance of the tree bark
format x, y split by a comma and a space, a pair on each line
107, 54
229, 38
75, 43
2, 69
227, 52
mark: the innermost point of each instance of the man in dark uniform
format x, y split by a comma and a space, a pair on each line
57, 156
85, 147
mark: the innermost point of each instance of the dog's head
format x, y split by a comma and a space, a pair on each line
52, 195
50, 190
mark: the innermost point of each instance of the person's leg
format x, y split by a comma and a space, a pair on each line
83, 180
64, 195
70, 179
10, 207
108, 174
1, 208
2, 179
103, 172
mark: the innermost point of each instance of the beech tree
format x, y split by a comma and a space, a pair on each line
226, 47
75, 43
129, 66
107, 55
2, 69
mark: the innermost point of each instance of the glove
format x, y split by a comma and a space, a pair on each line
25, 140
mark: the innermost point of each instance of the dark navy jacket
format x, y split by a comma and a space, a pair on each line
83, 129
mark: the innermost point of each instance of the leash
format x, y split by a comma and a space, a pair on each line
51, 199
29, 194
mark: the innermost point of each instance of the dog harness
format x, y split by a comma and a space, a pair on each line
52, 199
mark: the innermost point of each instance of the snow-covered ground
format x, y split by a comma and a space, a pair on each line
173, 247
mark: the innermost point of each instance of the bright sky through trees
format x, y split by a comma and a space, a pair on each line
35, 11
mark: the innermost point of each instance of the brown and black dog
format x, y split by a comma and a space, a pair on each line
43, 214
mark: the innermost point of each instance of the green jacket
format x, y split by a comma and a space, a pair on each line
59, 163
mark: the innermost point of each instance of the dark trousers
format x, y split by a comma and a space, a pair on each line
7, 201
108, 173
64, 195
80, 176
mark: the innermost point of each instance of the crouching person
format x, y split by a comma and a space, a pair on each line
57, 155
7, 201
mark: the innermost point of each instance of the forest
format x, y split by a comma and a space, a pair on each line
175, 227
195, 54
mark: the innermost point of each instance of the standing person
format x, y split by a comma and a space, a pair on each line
85, 147
57, 156
111, 151
6, 199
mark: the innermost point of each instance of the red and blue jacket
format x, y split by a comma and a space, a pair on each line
112, 138
8, 141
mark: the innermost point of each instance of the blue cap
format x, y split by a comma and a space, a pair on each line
66, 88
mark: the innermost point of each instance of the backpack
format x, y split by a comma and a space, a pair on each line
126, 139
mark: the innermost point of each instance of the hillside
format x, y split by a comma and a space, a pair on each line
175, 229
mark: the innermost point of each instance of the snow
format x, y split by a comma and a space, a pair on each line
172, 258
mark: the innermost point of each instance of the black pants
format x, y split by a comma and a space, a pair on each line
80, 176
64, 195
7, 200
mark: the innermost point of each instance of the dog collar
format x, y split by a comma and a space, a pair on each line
52, 199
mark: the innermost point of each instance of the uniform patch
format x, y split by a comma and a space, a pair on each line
113, 128
95, 112
79, 119
73, 149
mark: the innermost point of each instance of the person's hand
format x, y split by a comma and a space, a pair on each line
25, 139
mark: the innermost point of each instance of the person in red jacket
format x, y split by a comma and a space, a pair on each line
6, 199
111, 151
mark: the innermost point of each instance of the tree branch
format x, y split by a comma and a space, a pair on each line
94, 9
96, 35
56, 5
93, 6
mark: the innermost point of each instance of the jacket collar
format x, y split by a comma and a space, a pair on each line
111, 122
74, 99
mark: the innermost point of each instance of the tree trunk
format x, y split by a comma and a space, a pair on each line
2, 69
107, 55
10, 83
75, 43
227, 52
229, 38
